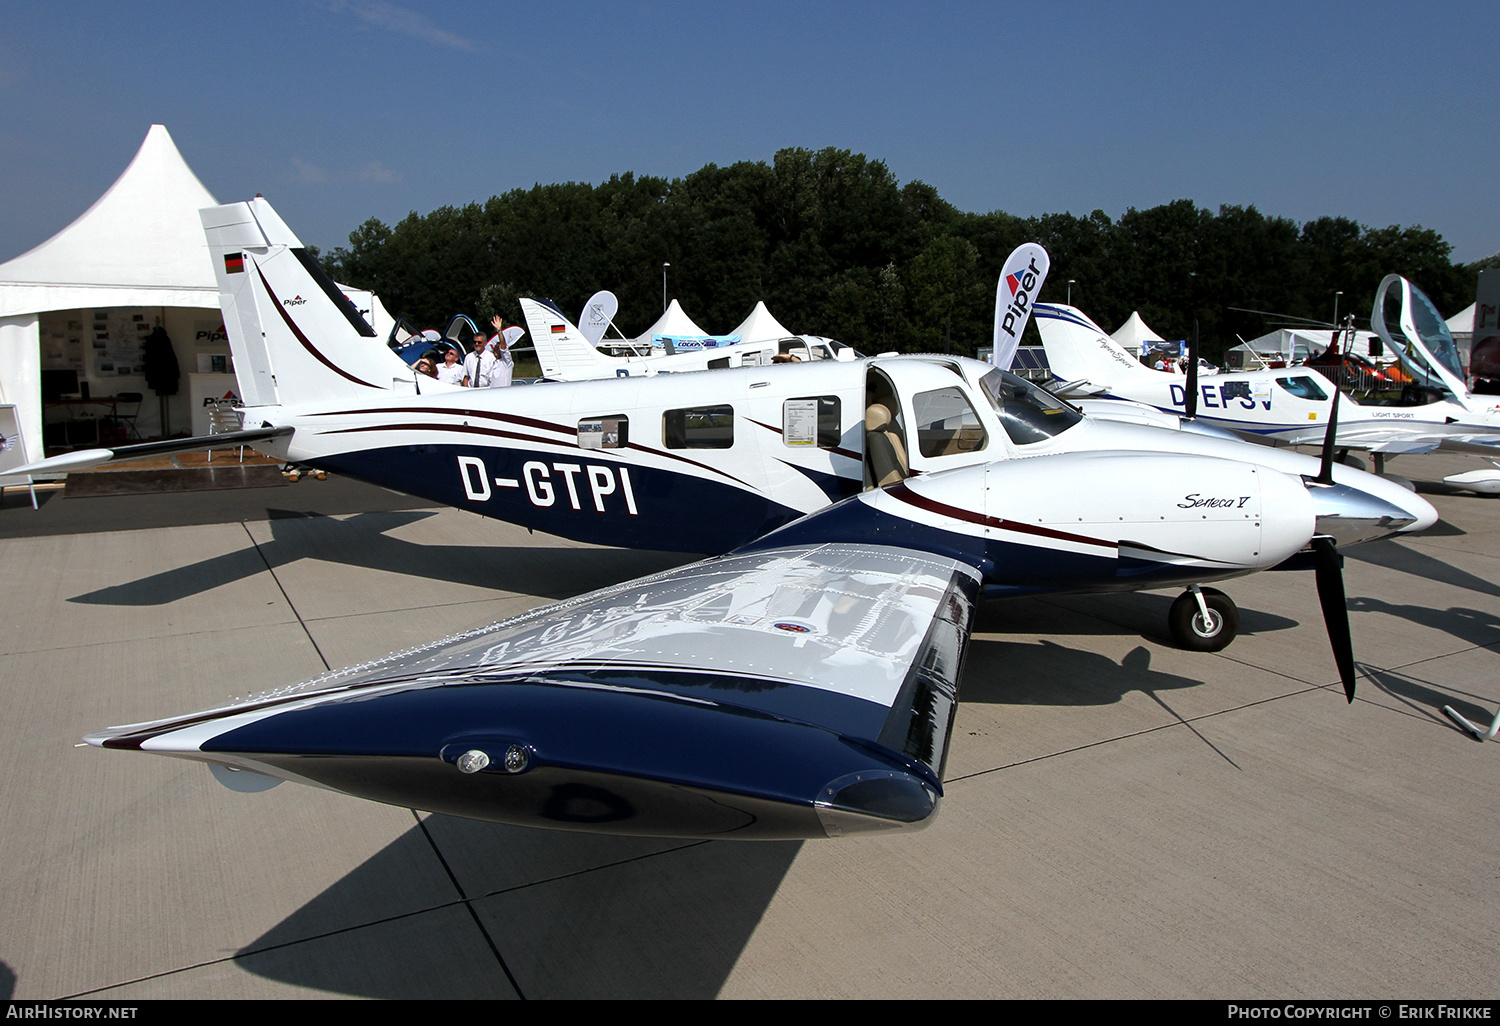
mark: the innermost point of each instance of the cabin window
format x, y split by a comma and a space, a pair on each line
1303, 388
700, 427
720, 364
612, 432
791, 350
946, 423
815, 421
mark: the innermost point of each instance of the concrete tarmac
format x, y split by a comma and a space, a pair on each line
1122, 819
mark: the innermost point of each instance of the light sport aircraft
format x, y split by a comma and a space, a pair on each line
1291, 405
566, 352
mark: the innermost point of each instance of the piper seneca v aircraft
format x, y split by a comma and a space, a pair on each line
711, 462
1291, 405
802, 685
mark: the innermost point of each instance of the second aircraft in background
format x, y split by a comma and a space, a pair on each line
1291, 405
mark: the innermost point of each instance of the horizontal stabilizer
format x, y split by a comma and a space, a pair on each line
83, 459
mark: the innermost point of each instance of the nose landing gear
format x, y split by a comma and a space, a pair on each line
1203, 620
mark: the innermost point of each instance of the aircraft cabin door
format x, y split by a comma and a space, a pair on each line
886, 459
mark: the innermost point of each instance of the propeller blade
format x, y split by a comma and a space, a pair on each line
1190, 409
1330, 575
1325, 472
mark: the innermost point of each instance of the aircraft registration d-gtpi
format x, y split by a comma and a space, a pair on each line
804, 683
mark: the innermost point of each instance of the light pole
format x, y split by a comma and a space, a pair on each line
664, 267
1071, 283
1336, 296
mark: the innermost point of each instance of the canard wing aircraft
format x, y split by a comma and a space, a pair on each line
1291, 405
801, 685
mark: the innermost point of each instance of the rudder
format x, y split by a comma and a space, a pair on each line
1078, 349
295, 337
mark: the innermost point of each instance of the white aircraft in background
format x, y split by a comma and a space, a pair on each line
566, 353
802, 685
1291, 405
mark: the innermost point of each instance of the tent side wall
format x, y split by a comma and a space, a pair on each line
21, 376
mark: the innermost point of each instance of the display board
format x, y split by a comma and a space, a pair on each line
13, 450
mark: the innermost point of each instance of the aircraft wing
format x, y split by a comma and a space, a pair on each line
801, 691
1474, 445
1390, 443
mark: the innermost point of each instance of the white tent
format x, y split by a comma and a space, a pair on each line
1462, 323
760, 326
140, 245
673, 322
1135, 333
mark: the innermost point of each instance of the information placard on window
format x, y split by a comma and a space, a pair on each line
799, 422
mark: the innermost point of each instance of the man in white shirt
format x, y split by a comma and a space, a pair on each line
450, 371
479, 366
490, 364
505, 364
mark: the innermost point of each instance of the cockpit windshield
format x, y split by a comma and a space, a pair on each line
1434, 333
1028, 413
1421, 339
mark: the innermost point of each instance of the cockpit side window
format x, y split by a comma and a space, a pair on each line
946, 423
1303, 388
1027, 413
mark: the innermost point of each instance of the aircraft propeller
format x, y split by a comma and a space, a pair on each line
1329, 568
1190, 401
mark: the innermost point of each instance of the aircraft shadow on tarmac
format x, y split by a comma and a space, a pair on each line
1140, 613
1426, 701
1046, 673
1474, 626
566, 915
361, 541
1394, 556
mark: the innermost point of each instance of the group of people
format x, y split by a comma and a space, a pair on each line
490, 365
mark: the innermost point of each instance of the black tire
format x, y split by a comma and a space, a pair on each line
1188, 629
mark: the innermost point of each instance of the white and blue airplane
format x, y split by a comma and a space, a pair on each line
803, 683
1291, 405
711, 462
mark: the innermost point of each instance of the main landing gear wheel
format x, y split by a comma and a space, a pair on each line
1192, 631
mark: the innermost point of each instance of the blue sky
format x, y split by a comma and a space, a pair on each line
341, 110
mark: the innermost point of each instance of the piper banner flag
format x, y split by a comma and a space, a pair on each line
598, 312
1020, 280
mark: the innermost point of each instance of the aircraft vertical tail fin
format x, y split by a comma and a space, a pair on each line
295, 337
562, 348
1078, 349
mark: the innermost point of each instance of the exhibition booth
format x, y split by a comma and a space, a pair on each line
110, 330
